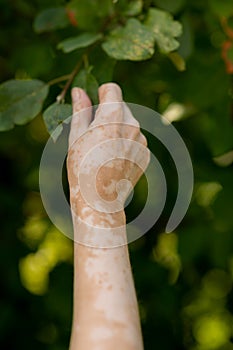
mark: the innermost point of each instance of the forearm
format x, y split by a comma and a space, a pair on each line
105, 305
107, 155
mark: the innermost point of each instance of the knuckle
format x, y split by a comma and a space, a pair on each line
143, 140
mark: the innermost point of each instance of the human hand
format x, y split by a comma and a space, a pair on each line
107, 154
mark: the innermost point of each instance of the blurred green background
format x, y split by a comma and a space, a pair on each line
183, 279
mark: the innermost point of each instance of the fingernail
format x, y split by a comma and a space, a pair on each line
110, 92
76, 95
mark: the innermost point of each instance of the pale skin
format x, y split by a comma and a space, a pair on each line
105, 313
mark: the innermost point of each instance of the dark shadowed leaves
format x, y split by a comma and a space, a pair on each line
51, 19
222, 7
90, 14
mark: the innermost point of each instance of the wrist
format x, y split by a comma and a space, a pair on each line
86, 213
96, 228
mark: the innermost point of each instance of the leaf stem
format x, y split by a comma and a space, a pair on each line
61, 97
85, 61
59, 79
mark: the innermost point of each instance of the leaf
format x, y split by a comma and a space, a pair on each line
178, 61
169, 5
133, 8
87, 82
51, 19
80, 41
53, 117
186, 40
20, 101
89, 13
164, 29
103, 66
133, 42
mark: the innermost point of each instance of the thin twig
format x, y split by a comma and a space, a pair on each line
62, 95
59, 79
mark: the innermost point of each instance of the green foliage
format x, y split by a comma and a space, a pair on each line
222, 7
74, 43
133, 8
109, 26
170, 5
165, 30
87, 81
20, 101
89, 13
51, 19
132, 42
53, 117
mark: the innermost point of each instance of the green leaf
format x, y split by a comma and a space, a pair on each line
80, 41
51, 19
178, 61
133, 8
89, 13
103, 66
222, 7
87, 82
164, 29
133, 42
20, 101
53, 117
169, 5
186, 40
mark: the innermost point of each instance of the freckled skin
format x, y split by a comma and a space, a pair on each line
105, 313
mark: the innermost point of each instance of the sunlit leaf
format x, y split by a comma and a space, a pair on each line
20, 101
178, 61
54, 115
212, 330
165, 253
133, 42
51, 19
164, 29
80, 41
133, 8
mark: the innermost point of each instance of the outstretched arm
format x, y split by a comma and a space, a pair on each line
105, 313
